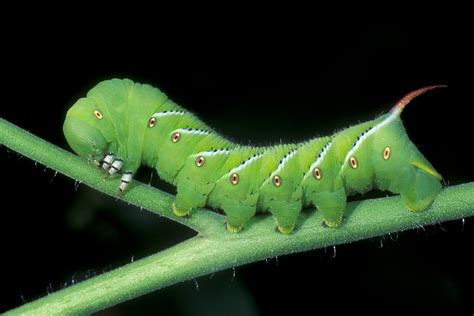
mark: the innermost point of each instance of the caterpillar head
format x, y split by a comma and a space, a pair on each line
84, 128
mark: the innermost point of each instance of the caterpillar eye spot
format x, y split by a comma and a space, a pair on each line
152, 122
98, 115
277, 181
353, 162
386, 153
234, 178
175, 137
200, 161
317, 173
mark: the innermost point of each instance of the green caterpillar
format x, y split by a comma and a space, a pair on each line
121, 125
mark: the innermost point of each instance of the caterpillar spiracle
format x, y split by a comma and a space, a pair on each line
121, 125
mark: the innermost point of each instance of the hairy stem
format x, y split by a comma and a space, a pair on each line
213, 249
83, 171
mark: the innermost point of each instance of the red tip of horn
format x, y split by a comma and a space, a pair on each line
398, 108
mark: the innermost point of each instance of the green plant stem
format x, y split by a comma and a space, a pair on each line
213, 249
84, 172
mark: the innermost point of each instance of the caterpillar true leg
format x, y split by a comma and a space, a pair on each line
107, 161
128, 168
115, 167
125, 180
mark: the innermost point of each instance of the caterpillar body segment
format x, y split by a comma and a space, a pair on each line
122, 125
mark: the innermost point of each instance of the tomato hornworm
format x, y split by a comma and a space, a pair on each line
121, 125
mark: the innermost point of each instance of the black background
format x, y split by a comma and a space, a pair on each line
266, 85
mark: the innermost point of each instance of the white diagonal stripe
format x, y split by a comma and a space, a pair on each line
320, 158
167, 113
191, 131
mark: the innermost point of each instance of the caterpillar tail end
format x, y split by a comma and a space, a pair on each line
287, 230
233, 229
180, 213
